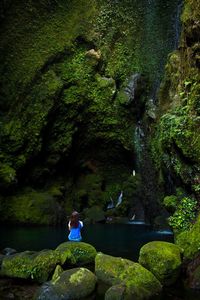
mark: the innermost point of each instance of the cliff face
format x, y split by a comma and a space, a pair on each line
176, 141
67, 119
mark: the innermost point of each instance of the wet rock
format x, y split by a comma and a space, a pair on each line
130, 280
115, 292
189, 240
37, 266
72, 284
163, 259
8, 251
193, 273
83, 253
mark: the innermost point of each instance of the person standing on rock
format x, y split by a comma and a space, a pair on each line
75, 226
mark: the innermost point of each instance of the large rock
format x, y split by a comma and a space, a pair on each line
163, 259
130, 280
189, 240
72, 284
83, 253
33, 265
115, 292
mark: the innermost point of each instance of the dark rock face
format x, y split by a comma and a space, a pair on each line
193, 273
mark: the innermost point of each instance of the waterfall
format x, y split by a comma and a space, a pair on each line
111, 204
119, 200
177, 25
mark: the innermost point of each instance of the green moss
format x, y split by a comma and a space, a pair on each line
94, 214
184, 214
176, 142
76, 283
189, 240
82, 252
31, 207
7, 175
162, 259
140, 283
135, 280
56, 275
109, 268
30, 265
170, 202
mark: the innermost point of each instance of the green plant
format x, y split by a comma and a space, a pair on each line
184, 215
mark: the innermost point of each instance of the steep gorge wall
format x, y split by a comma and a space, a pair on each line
176, 140
67, 125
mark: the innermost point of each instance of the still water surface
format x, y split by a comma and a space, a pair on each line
115, 239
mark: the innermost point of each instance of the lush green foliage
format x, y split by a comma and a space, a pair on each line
184, 215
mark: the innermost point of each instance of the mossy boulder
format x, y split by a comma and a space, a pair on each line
131, 279
37, 266
163, 259
115, 292
108, 268
189, 240
72, 284
83, 253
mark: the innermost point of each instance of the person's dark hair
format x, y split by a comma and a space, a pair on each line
74, 219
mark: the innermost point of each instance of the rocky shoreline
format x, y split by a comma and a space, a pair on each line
76, 271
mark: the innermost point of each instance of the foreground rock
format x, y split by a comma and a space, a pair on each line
163, 259
72, 284
37, 266
83, 253
33, 265
129, 279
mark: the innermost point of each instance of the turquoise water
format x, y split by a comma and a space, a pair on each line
115, 239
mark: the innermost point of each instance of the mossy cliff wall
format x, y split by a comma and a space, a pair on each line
66, 124
176, 144
176, 137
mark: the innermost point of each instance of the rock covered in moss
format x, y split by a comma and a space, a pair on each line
108, 268
176, 141
130, 279
72, 284
163, 259
189, 240
33, 265
57, 273
83, 253
115, 292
